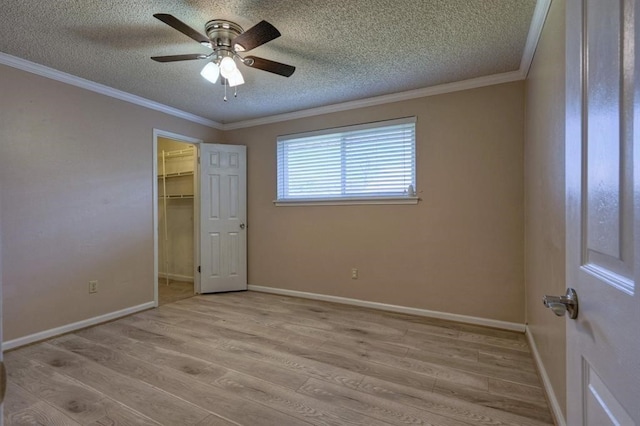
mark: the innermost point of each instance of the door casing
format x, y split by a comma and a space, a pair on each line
157, 133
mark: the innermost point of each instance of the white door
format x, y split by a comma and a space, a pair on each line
223, 213
3, 375
603, 211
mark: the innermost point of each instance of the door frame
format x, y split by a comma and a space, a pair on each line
158, 133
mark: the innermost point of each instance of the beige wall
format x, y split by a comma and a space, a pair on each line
460, 250
544, 201
76, 169
76, 173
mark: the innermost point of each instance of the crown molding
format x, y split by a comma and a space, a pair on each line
535, 31
533, 37
440, 89
63, 77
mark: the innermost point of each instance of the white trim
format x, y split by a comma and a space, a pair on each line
175, 277
535, 31
546, 382
22, 341
154, 214
440, 89
53, 74
512, 326
533, 37
175, 136
63, 77
346, 201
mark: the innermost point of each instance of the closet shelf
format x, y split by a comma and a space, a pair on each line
179, 153
176, 174
176, 196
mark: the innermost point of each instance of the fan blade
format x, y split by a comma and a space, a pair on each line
255, 36
270, 66
174, 58
177, 24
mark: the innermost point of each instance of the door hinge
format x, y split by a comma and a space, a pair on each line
198, 269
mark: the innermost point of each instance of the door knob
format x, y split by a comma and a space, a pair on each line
242, 226
563, 304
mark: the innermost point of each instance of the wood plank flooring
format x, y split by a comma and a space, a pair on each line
257, 359
174, 291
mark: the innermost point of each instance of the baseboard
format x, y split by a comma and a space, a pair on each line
394, 308
32, 338
551, 395
175, 277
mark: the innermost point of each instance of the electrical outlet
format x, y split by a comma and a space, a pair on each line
93, 286
354, 273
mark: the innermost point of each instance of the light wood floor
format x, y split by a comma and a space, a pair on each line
174, 291
256, 359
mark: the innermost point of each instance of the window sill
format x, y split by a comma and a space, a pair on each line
346, 201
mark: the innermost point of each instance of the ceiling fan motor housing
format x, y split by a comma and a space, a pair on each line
221, 33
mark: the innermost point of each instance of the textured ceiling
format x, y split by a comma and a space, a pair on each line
343, 50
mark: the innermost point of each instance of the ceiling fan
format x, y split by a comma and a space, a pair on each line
227, 39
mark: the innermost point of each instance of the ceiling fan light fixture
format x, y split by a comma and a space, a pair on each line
235, 78
227, 66
211, 72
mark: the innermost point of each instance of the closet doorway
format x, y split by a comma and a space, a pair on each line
200, 238
176, 166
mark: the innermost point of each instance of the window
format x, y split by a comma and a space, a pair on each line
367, 163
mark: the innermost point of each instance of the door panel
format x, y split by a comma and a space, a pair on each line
234, 193
234, 253
212, 268
608, 194
214, 198
603, 212
223, 217
602, 408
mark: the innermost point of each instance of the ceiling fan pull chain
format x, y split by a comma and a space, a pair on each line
235, 92
225, 92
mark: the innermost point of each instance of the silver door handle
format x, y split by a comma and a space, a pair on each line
563, 304
242, 226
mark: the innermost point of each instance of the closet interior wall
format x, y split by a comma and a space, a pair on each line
175, 210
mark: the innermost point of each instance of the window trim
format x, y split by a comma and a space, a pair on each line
358, 200
345, 201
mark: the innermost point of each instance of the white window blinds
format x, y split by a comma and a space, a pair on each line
370, 160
